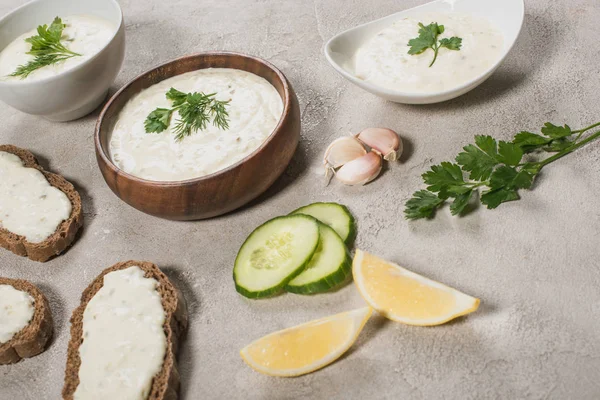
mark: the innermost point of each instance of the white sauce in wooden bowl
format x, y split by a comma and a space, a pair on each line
255, 109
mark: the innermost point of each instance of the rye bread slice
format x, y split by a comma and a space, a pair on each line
33, 339
165, 384
65, 233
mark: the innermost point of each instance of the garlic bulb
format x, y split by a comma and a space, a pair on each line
361, 170
343, 150
384, 141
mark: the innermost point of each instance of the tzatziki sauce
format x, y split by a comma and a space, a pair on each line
16, 311
83, 34
383, 60
255, 108
29, 205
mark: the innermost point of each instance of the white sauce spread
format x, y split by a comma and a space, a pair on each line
124, 342
84, 34
254, 112
29, 205
16, 310
384, 60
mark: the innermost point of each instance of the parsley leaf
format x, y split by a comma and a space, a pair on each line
504, 183
428, 39
460, 202
422, 205
479, 160
493, 198
443, 177
452, 43
502, 176
158, 120
176, 97
529, 142
509, 153
556, 132
524, 179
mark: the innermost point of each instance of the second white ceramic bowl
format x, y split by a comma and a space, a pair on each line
506, 15
77, 91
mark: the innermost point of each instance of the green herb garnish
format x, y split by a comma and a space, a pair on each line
497, 168
428, 39
46, 48
195, 110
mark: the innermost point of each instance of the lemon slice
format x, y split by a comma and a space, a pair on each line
403, 296
308, 347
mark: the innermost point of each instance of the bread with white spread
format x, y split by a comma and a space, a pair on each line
25, 320
117, 318
62, 236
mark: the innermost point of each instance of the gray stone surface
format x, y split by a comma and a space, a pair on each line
534, 263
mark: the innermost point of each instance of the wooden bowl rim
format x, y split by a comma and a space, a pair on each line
284, 116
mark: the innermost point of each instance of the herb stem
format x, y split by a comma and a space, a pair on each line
479, 184
587, 128
572, 148
435, 54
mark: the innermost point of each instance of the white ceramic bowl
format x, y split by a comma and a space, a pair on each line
76, 91
506, 15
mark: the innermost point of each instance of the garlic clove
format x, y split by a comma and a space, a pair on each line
343, 150
361, 170
384, 141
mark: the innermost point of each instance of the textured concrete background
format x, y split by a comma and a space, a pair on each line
534, 263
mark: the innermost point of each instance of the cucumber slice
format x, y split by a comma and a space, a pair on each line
335, 215
275, 253
330, 265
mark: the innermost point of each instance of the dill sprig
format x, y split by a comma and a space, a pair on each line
46, 48
195, 111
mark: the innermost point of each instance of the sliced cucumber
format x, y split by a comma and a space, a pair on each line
335, 215
274, 254
330, 265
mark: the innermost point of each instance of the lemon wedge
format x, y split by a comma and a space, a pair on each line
308, 347
403, 296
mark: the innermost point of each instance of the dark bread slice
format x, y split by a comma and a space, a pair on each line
66, 231
165, 384
33, 339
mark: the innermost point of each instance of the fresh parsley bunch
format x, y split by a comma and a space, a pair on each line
46, 48
195, 110
428, 39
497, 167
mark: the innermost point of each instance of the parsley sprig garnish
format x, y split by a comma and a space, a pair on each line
46, 48
195, 111
497, 168
428, 39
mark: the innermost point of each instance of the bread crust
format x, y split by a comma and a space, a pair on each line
34, 338
64, 235
165, 385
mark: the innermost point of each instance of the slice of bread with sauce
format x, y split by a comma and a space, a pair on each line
35, 336
165, 383
65, 233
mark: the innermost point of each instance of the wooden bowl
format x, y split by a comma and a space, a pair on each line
220, 192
